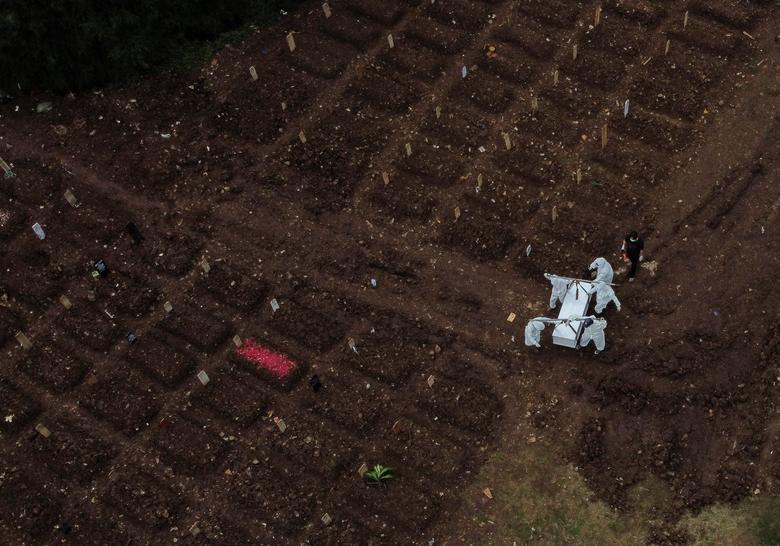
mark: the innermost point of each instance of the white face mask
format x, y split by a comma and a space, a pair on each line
633, 240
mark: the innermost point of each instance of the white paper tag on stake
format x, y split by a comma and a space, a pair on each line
253, 73
291, 42
203, 377
625, 108
511, 317
390, 41
464, 72
302, 137
274, 305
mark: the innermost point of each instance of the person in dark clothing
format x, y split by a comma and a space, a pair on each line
633, 252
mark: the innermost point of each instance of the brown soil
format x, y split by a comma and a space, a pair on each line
212, 166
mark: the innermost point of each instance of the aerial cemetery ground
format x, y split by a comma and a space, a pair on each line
367, 196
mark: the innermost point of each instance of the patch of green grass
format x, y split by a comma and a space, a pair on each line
768, 525
538, 499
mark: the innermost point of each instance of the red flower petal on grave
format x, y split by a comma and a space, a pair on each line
262, 357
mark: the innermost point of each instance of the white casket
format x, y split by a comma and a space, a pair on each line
575, 304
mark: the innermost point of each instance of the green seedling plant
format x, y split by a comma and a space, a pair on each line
379, 475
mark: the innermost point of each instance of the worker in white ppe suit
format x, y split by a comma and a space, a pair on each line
594, 331
605, 295
533, 333
559, 289
604, 271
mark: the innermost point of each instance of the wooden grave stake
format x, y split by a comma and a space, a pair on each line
554, 213
280, 424
668, 45
71, 199
408, 149
597, 19
430, 381
326, 10
507, 141
390, 41
574, 52
625, 108
203, 377
685, 20
23, 340
604, 136
464, 72
534, 104
579, 175
65, 302
291, 42
555, 78
237, 341
9, 172
479, 181
204, 264
253, 73
168, 307
438, 112
457, 213
385, 178
302, 137
42, 430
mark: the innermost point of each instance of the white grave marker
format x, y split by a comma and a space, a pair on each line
39, 231
390, 41
464, 71
203, 377
326, 10
253, 73
291, 42
274, 305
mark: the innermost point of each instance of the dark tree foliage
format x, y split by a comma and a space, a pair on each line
69, 45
